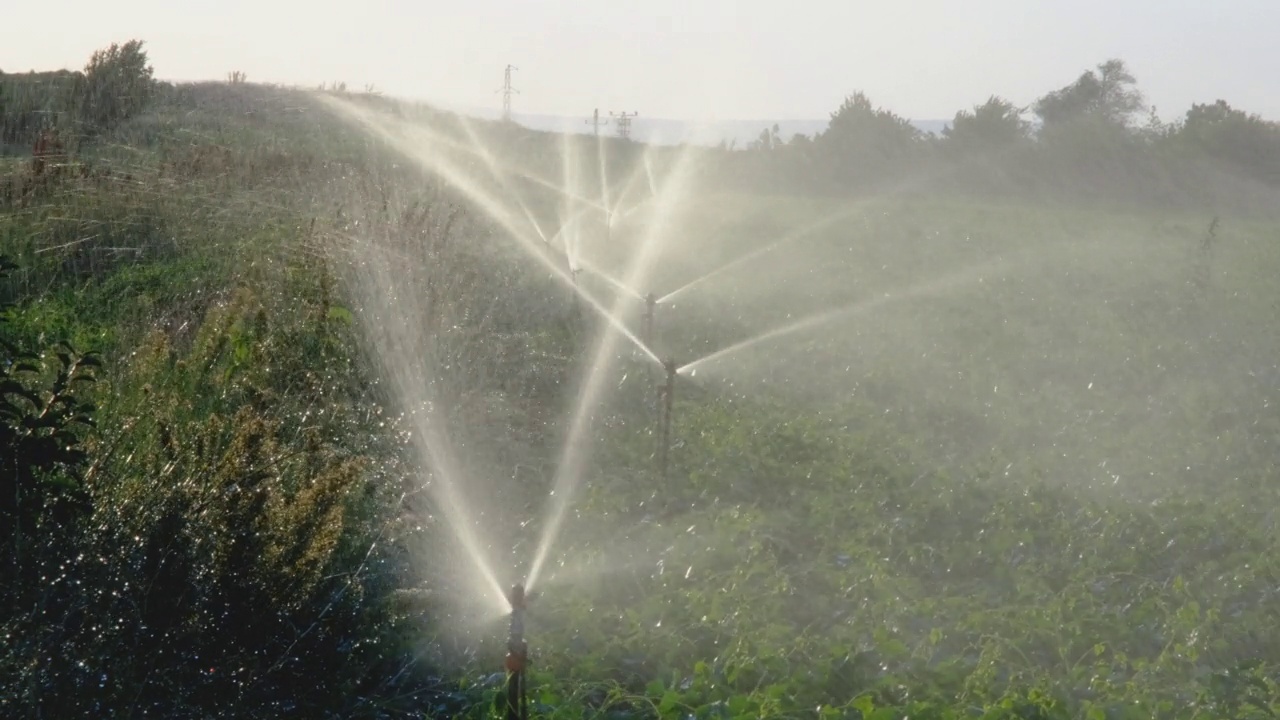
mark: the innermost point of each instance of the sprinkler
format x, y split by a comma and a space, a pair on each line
650, 306
573, 293
666, 394
517, 658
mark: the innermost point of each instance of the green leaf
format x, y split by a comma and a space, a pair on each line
894, 648
13, 387
340, 314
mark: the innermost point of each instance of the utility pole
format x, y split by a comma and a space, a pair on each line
624, 123
507, 91
595, 122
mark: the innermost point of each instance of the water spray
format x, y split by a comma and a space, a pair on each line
666, 396
517, 658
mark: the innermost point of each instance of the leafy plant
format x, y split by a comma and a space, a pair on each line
43, 415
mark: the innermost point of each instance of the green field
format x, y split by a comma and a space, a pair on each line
1030, 472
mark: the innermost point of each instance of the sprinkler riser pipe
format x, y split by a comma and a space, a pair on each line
667, 393
650, 309
517, 658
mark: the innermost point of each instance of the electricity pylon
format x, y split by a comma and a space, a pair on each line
507, 91
623, 123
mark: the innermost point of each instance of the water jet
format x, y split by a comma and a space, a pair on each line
615, 282
948, 283
407, 141
573, 458
791, 237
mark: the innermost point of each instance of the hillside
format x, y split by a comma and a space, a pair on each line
356, 369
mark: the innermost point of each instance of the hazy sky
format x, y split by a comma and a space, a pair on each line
689, 59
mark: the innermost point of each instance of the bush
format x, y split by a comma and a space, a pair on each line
117, 84
42, 415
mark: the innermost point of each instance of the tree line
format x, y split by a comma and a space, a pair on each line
115, 84
1095, 135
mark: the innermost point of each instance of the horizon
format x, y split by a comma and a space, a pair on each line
715, 62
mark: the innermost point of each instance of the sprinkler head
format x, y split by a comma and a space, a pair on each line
651, 299
516, 597
671, 367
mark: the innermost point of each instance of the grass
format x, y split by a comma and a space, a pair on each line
909, 513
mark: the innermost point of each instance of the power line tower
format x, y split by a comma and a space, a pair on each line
623, 123
595, 122
507, 91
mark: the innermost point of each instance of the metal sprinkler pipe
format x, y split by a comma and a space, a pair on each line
650, 307
666, 394
517, 659
573, 292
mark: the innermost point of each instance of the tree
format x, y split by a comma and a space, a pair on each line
992, 126
1234, 136
1107, 96
769, 139
863, 142
117, 84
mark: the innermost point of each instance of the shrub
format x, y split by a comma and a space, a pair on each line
117, 84
42, 415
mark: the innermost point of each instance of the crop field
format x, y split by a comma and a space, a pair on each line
298, 384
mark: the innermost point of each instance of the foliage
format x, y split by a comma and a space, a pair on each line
42, 418
1233, 137
1107, 96
238, 535
868, 143
117, 84
990, 128
1089, 143
32, 103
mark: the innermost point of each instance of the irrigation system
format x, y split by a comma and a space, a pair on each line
415, 143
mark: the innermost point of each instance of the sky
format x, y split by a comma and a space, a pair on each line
699, 60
